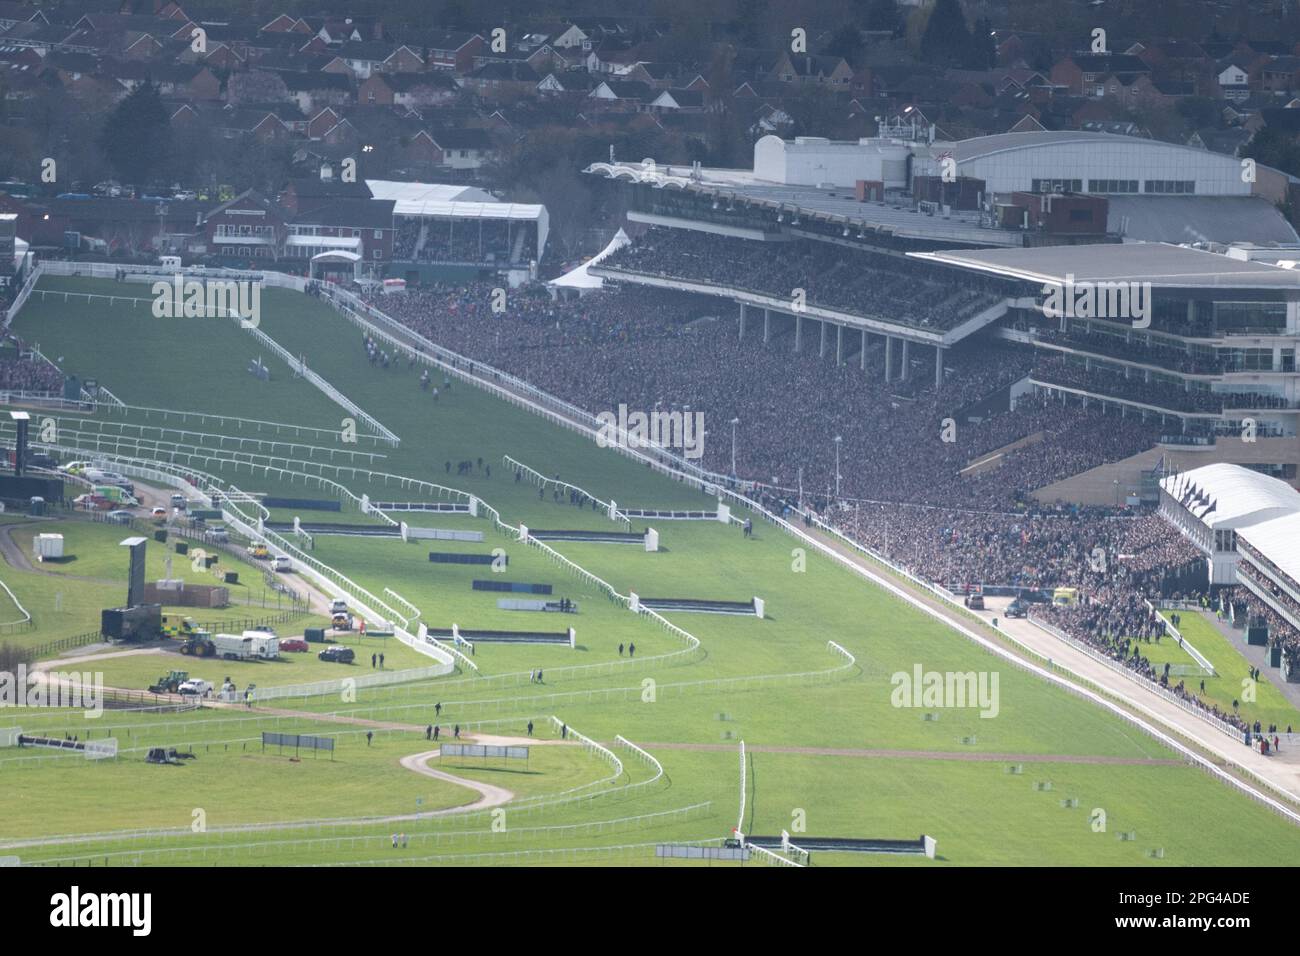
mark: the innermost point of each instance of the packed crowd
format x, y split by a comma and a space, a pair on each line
1176, 397
836, 277
1118, 623
1170, 356
1041, 550
29, 375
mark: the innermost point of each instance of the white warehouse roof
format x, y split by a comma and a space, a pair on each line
1230, 496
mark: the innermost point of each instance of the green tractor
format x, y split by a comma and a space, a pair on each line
198, 644
168, 683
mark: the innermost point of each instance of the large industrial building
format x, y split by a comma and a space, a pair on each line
983, 191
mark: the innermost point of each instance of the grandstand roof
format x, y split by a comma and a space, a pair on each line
426, 192
1278, 539
834, 204
981, 146
1198, 219
1160, 264
1230, 496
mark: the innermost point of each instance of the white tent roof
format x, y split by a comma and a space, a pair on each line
425, 192
336, 255
1230, 496
1278, 539
580, 277
324, 242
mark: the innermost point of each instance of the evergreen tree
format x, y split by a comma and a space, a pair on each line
946, 39
136, 139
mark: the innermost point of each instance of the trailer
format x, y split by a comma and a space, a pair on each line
47, 546
264, 646
234, 647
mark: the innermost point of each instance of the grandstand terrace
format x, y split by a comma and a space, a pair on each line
1213, 342
442, 230
849, 295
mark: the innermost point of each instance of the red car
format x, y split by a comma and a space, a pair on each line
93, 502
294, 644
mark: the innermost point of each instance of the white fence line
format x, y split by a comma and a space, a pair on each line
23, 294
26, 615
770, 858
1184, 643
744, 789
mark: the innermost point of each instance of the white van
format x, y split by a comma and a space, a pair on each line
281, 562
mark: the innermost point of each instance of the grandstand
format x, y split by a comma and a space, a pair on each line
445, 231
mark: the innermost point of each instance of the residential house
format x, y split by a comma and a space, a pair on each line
807, 69
1087, 74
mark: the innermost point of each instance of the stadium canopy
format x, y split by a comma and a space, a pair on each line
446, 201
581, 278
1161, 264
1224, 496
1278, 540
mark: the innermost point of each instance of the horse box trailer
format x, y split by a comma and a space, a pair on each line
234, 647
47, 546
264, 646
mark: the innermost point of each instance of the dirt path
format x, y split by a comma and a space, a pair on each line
61, 662
925, 754
489, 795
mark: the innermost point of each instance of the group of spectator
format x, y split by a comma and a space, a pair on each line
466, 240
30, 375
1135, 386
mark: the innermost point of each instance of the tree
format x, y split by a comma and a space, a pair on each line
847, 42
883, 15
983, 51
946, 38
136, 139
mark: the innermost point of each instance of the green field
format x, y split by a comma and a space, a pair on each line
775, 683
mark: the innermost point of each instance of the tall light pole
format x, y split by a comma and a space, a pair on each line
734, 423
838, 440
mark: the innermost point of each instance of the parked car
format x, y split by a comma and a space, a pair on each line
159, 512
218, 533
975, 602
294, 644
339, 655
281, 562
338, 606
1017, 608
119, 516
93, 502
179, 502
